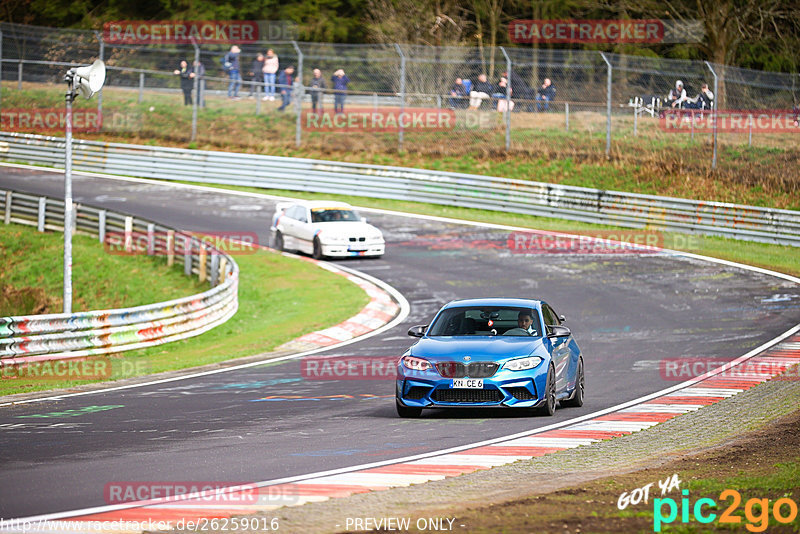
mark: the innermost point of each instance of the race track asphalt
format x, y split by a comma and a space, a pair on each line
628, 312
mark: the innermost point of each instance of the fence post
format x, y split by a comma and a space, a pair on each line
141, 87
42, 211
101, 226
566, 116
195, 100
102, 53
402, 95
750, 130
508, 99
201, 267
608, 106
635, 120
128, 234
19, 75
187, 255
170, 247
151, 239
7, 214
299, 94
715, 109
214, 269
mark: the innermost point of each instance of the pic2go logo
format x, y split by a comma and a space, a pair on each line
756, 511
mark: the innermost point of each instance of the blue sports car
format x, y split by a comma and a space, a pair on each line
491, 352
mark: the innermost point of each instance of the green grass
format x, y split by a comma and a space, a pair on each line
780, 258
280, 299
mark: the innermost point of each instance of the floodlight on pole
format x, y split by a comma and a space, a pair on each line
86, 80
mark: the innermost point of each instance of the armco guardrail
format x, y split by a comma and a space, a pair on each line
466, 190
55, 336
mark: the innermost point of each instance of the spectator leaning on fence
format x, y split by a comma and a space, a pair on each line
339, 82
458, 95
480, 92
187, 81
230, 63
285, 80
317, 89
545, 95
270, 71
256, 73
677, 95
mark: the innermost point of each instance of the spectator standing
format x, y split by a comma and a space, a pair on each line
230, 63
480, 92
677, 95
317, 90
270, 71
187, 81
199, 71
339, 81
545, 95
458, 95
285, 80
256, 73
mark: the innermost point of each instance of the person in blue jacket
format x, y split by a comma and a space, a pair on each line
339, 81
285, 80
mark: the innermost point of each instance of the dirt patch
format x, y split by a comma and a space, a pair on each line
26, 300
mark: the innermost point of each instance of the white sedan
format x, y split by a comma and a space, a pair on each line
324, 229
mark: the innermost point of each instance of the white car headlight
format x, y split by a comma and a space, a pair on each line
331, 238
416, 364
522, 364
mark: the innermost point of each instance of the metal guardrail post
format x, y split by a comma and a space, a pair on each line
100, 92
42, 211
195, 100
508, 99
214, 269
7, 214
402, 95
608, 106
714, 112
141, 87
101, 226
187, 255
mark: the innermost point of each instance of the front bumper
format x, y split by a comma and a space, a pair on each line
346, 250
505, 389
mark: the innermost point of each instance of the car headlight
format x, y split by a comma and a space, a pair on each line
328, 238
522, 364
416, 364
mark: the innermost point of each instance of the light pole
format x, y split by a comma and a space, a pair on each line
88, 80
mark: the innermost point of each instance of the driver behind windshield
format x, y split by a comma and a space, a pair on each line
524, 325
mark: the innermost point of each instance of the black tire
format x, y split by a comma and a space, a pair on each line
549, 407
576, 401
279, 241
317, 254
407, 411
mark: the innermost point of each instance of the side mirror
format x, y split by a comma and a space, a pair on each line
417, 331
559, 331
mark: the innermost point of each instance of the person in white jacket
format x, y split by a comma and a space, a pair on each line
270, 72
677, 95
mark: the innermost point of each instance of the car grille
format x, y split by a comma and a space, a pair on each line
416, 392
521, 393
461, 370
467, 395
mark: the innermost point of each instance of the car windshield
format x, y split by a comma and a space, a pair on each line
486, 321
333, 215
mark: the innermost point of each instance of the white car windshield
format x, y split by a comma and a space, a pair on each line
333, 215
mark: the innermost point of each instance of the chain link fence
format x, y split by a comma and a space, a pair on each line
402, 97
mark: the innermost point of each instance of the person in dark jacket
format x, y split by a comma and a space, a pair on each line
285, 80
339, 82
317, 89
481, 90
187, 81
230, 62
458, 95
545, 95
256, 74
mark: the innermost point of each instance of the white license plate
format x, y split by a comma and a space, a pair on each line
357, 248
468, 383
